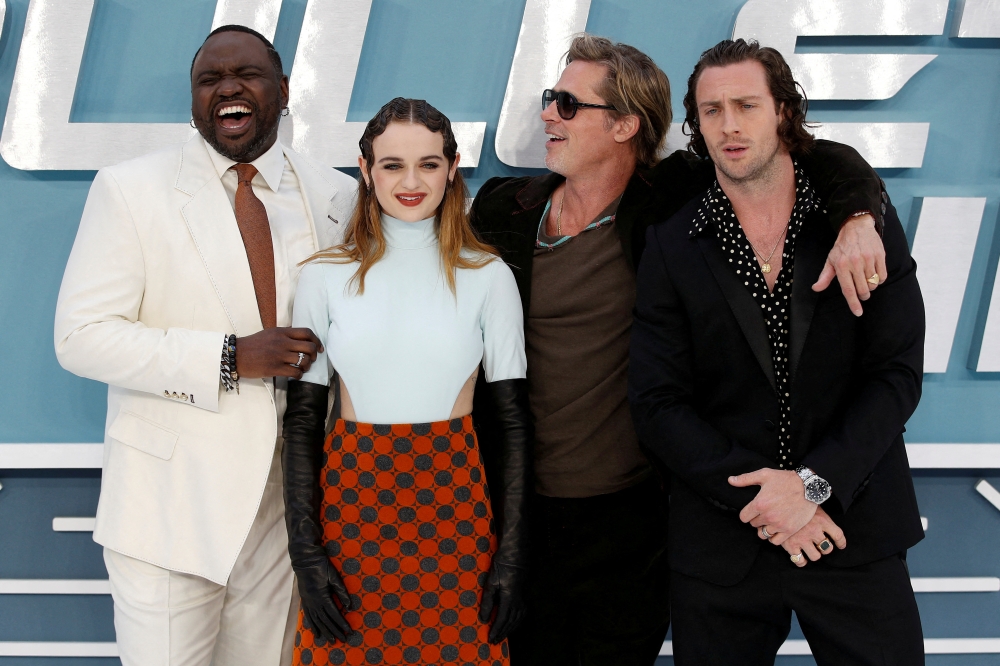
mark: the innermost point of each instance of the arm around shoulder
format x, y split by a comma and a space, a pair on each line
844, 181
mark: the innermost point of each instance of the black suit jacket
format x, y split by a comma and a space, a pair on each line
702, 390
506, 213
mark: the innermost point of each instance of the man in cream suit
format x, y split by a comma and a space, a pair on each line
176, 252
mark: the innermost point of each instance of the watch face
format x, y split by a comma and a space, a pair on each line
818, 490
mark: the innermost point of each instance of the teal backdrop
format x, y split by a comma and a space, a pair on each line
457, 54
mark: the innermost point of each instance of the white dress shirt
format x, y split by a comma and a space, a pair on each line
406, 347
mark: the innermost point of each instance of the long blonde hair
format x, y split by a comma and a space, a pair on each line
363, 239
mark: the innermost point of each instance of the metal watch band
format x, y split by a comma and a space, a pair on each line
805, 473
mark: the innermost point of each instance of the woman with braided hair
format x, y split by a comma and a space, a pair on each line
391, 532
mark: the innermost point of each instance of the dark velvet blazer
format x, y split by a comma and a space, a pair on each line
702, 390
506, 213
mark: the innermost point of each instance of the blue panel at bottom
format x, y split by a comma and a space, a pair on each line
29, 548
57, 617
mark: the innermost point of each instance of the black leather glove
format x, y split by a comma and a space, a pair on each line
303, 430
504, 588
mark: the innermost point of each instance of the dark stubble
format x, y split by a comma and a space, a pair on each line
760, 171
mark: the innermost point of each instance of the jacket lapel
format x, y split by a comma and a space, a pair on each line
519, 248
317, 194
212, 224
810, 256
744, 307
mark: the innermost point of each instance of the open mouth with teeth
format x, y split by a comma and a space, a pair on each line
234, 117
554, 139
411, 199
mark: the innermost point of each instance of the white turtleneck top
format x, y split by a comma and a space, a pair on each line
405, 348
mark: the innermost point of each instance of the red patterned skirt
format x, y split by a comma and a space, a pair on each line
408, 524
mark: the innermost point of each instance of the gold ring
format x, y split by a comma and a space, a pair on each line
824, 545
873, 279
796, 558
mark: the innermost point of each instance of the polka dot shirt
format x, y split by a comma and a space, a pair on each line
717, 212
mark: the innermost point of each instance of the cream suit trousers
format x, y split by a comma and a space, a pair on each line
167, 618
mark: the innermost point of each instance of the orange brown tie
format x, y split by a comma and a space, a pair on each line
251, 217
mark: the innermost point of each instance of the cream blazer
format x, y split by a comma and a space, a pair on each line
157, 276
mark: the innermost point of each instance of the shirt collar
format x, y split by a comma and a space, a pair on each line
270, 165
716, 204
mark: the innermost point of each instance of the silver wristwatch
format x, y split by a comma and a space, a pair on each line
818, 490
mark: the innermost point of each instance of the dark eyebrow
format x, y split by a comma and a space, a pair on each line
239, 70
422, 159
738, 100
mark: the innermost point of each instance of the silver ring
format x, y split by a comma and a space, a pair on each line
298, 362
796, 558
764, 533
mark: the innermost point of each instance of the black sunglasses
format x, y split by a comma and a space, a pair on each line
566, 104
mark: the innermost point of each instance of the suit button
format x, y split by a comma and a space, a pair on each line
769, 425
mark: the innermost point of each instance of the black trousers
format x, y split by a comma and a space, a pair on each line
862, 616
598, 590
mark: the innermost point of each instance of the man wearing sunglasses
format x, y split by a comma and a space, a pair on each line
598, 584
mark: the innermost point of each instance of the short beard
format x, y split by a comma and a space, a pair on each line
555, 165
760, 171
254, 147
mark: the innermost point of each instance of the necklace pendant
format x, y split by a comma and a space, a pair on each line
765, 267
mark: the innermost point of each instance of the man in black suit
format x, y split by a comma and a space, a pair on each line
779, 414
598, 587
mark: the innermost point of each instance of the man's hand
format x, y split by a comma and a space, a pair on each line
857, 255
272, 352
812, 540
780, 507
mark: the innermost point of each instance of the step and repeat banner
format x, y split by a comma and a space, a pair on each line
914, 85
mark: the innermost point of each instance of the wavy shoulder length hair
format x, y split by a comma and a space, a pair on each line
363, 239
